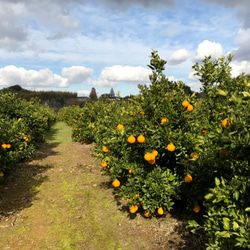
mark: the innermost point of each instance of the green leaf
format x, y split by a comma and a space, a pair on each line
192, 223
247, 209
224, 234
236, 195
217, 181
221, 92
235, 225
209, 196
226, 225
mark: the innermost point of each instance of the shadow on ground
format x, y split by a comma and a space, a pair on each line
18, 189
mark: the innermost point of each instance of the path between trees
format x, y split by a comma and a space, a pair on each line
62, 200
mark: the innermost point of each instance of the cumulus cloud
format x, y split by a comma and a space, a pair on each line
243, 41
11, 75
178, 57
207, 48
242, 67
76, 74
193, 77
44, 78
83, 93
111, 76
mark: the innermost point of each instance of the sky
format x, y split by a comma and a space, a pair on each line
74, 45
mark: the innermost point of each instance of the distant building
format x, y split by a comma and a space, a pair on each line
82, 98
111, 95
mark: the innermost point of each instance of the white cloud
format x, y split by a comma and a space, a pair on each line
178, 57
11, 75
242, 67
207, 48
193, 77
76, 74
111, 76
243, 41
83, 93
12, 29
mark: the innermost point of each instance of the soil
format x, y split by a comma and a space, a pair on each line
61, 199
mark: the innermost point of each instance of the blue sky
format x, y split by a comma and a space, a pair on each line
74, 45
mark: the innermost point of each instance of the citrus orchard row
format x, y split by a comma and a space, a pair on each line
166, 147
22, 125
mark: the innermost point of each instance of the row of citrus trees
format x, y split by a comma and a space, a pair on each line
164, 147
22, 125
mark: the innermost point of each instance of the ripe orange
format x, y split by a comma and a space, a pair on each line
105, 149
188, 178
194, 156
141, 139
171, 147
190, 107
4, 145
160, 211
147, 214
155, 152
197, 209
116, 183
120, 127
151, 162
104, 164
185, 103
149, 157
165, 119
1, 174
142, 113
131, 171
133, 209
131, 139
225, 123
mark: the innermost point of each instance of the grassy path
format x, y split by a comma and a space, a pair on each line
62, 200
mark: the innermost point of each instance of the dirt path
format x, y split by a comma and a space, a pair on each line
62, 200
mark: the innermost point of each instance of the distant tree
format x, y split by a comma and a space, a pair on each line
112, 93
93, 95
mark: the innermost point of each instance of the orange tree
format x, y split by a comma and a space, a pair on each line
224, 154
164, 145
22, 125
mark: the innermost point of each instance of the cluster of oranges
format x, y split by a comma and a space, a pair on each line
25, 138
4, 146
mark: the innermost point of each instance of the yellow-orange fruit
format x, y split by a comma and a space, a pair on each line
165, 119
171, 147
194, 156
131, 139
105, 149
155, 152
149, 157
185, 103
116, 183
190, 107
120, 127
133, 209
188, 178
160, 211
141, 139
104, 164
147, 214
197, 209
